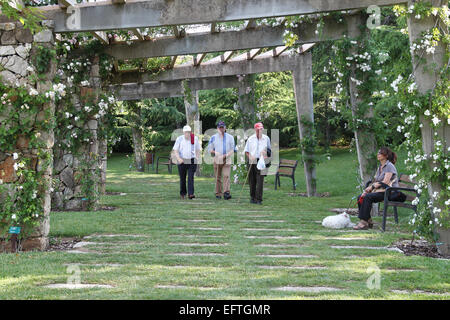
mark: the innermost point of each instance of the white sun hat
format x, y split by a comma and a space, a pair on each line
187, 128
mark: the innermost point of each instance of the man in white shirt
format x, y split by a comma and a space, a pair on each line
222, 147
257, 146
187, 152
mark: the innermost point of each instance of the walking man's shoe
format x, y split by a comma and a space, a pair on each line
227, 196
253, 201
183, 197
191, 197
218, 197
258, 202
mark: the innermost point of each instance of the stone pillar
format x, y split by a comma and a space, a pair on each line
17, 47
426, 73
193, 119
191, 107
366, 145
137, 141
247, 100
103, 154
303, 88
71, 169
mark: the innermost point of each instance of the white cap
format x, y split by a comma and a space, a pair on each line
187, 128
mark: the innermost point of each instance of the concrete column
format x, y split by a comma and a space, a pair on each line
70, 167
247, 100
17, 47
191, 107
366, 145
426, 73
303, 88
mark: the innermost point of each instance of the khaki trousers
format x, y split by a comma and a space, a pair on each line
222, 170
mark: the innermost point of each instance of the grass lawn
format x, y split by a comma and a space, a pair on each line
149, 247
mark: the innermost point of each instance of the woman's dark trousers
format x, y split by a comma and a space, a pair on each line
366, 206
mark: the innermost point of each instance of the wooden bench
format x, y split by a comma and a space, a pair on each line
286, 168
167, 163
405, 184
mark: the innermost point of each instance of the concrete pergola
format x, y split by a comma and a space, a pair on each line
99, 17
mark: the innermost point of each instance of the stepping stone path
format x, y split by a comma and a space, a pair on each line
197, 244
159, 286
271, 245
287, 255
293, 267
420, 292
113, 265
265, 229
370, 248
77, 286
196, 254
273, 237
195, 236
307, 289
197, 228
117, 235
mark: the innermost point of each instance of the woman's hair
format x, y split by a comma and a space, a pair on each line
390, 155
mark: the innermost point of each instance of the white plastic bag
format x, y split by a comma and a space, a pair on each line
261, 164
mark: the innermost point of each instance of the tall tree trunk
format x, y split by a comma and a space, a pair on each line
247, 104
426, 73
303, 88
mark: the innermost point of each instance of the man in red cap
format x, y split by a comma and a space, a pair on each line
257, 146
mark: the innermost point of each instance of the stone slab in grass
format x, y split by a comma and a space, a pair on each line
366, 247
200, 254
421, 292
82, 251
195, 236
272, 245
349, 239
197, 244
117, 235
83, 243
78, 286
112, 265
266, 229
287, 255
257, 216
197, 228
293, 267
172, 286
274, 237
307, 289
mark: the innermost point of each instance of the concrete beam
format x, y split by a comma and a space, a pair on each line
199, 58
259, 37
106, 15
239, 65
163, 89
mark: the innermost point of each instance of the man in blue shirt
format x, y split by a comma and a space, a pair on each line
222, 148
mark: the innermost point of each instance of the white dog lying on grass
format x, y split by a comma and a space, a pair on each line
338, 221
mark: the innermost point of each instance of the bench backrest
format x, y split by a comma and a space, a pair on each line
405, 182
287, 167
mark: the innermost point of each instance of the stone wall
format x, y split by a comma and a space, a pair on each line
17, 46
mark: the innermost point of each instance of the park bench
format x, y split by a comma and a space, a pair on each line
168, 162
286, 168
405, 184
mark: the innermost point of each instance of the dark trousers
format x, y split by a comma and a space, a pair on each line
256, 182
190, 169
366, 206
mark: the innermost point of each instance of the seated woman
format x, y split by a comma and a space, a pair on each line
386, 176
